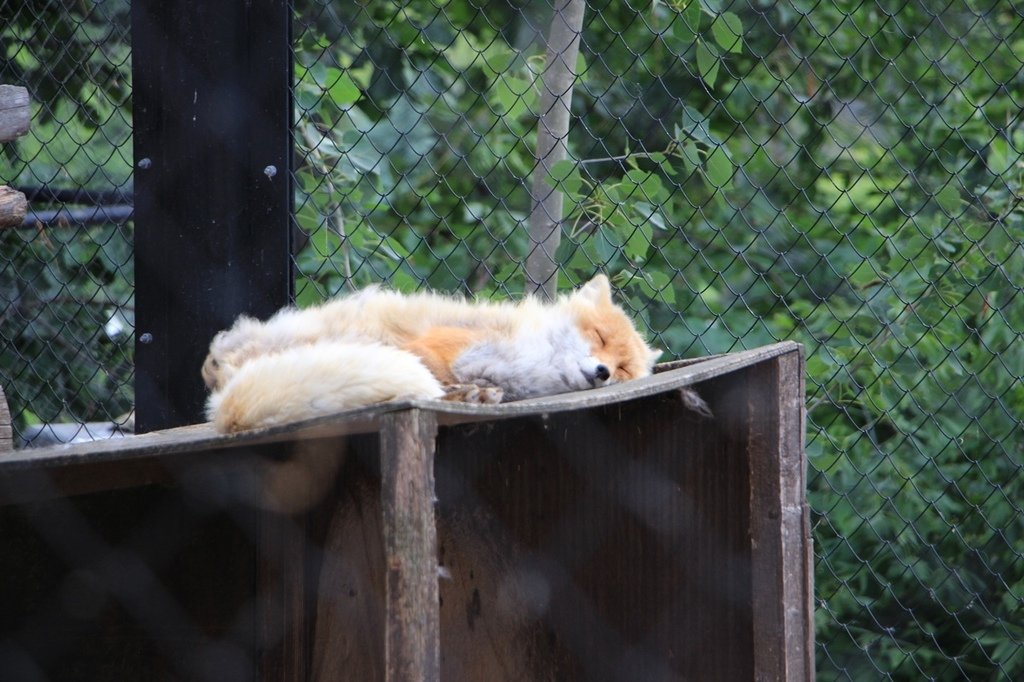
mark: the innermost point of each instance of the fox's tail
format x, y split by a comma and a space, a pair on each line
317, 379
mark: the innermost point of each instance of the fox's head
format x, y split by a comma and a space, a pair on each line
619, 352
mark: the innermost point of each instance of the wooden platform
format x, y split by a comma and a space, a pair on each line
608, 534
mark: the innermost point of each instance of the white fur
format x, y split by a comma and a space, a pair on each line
545, 359
317, 379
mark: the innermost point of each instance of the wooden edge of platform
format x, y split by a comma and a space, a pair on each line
202, 437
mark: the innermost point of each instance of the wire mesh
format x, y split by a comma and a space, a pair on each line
847, 175
67, 279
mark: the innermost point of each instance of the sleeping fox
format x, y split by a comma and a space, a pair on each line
378, 345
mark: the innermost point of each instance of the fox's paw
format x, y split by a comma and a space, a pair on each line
473, 394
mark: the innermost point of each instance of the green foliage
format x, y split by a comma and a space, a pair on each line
67, 324
70, 52
67, 300
417, 176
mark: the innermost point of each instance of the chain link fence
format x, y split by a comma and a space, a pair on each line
66, 326
847, 175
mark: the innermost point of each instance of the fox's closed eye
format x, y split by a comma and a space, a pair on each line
600, 337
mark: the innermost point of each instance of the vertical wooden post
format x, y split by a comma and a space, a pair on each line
212, 115
780, 531
412, 632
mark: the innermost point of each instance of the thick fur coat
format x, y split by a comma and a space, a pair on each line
379, 345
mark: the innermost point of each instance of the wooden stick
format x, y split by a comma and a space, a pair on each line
6, 432
412, 644
12, 207
14, 112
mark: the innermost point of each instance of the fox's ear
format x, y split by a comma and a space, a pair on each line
597, 290
655, 354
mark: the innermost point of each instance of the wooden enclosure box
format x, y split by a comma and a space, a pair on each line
612, 534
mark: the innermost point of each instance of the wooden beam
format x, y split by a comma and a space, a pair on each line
779, 525
200, 437
412, 642
14, 112
135, 460
12, 207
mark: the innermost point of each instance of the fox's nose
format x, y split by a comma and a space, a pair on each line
602, 373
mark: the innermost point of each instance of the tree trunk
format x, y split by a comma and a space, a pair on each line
14, 112
552, 136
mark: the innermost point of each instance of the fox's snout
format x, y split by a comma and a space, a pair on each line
598, 375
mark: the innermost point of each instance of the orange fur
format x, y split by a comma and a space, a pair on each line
611, 335
438, 348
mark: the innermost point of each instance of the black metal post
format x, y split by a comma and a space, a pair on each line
212, 116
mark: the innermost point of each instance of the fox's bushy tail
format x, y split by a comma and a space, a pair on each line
317, 379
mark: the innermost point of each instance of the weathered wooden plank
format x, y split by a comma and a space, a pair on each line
798, 548
603, 545
366, 420
349, 629
15, 112
33, 484
184, 440
412, 644
13, 207
782, 598
685, 362
89, 461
